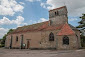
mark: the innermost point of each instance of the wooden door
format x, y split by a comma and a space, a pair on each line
28, 44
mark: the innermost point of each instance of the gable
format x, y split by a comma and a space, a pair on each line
66, 30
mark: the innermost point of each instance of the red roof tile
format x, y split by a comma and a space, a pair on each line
37, 27
54, 27
66, 30
44, 26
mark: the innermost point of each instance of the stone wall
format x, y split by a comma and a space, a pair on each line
40, 39
37, 40
72, 42
58, 16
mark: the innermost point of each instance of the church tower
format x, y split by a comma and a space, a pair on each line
58, 16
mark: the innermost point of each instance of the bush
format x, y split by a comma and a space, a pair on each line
2, 45
82, 41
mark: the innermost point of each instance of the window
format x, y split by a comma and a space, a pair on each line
16, 38
57, 13
77, 36
51, 37
51, 22
21, 41
66, 40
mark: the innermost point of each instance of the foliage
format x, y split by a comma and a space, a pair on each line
82, 26
82, 41
82, 22
9, 31
4, 38
2, 45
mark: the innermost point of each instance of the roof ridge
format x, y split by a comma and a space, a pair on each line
57, 8
32, 24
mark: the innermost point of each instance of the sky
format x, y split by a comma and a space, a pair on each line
17, 13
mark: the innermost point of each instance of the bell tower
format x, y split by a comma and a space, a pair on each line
58, 16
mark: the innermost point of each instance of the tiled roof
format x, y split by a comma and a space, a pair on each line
33, 27
44, 26
66, 30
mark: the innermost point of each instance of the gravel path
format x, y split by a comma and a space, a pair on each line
41, 53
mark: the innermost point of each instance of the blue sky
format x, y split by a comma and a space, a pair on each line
16, 13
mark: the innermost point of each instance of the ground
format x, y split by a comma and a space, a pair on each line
41, 53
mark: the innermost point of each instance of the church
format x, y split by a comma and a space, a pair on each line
56, 33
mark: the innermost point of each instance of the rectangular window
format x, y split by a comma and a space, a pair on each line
16, 38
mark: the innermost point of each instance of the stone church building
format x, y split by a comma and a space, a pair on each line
53, 34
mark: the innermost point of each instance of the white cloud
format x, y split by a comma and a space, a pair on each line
10, 7
33, 0
30, 0
38, 0
3, 31
22, 3
18, 21
75, 7
72, 19
42, 20
38, 21
43, 5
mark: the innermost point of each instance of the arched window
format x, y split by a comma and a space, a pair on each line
51, 37
66, 40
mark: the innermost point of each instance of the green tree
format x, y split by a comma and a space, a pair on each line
4, 37
9, 31
82, 29
3, 40
82, 22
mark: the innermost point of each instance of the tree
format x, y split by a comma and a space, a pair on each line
82, 22
4, 37
3, 40
9, 31
82, 29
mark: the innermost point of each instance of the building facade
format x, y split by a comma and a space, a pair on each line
53, 34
